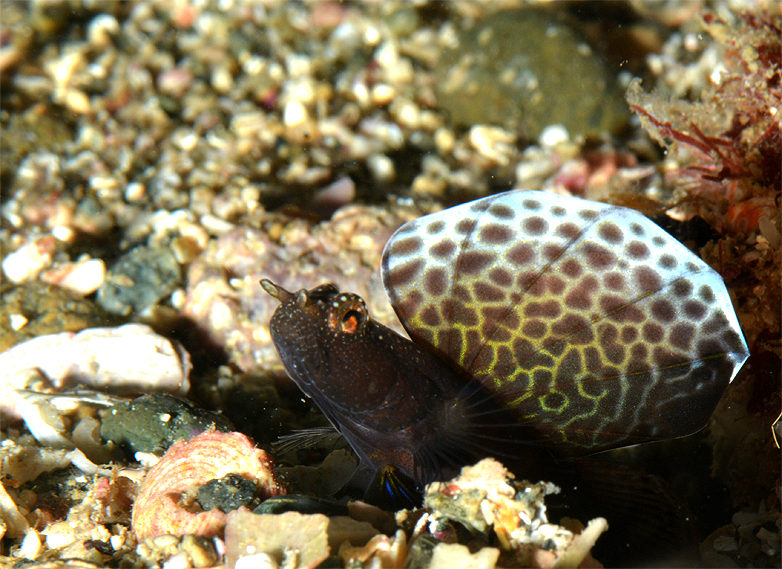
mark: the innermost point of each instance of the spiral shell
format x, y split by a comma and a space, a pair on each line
160, 508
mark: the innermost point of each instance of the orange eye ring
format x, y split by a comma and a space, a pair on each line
348, 315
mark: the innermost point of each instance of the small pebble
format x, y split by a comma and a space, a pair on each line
745, 518
76, 101
725, 544
256, 561
28, 261
335, 195
185, 249
179, 560
382, 94
166, 540
39, 309
382, 167
31, 546
222, 80
295, 114
493, 143
18, 321
444, 139
153, 422
552, 135
201, 550
101, 30
82, 277
139, 279
227, 494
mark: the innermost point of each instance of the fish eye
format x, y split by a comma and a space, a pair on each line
348, 315
351, 321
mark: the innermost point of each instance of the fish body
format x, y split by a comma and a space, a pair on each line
391, 399
539, 325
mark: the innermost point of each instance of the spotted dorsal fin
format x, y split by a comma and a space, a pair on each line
592, 324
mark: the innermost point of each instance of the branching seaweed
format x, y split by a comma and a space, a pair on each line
728, 145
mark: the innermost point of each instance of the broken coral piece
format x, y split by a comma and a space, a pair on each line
446, 555
305, 540
166, 500
380, 551
22, 462
276, 540
486, 497
121, 360
67, 420
12, 523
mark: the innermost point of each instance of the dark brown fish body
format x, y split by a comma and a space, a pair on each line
396, 403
